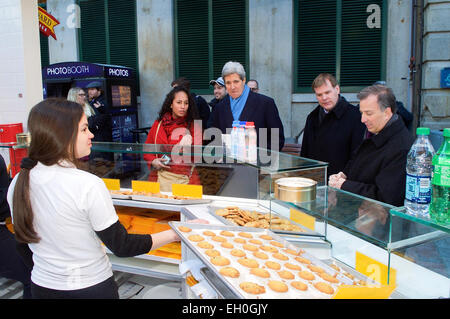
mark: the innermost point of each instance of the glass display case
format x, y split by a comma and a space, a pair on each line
342, 229
348, 229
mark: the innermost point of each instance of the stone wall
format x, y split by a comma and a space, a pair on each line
435, 108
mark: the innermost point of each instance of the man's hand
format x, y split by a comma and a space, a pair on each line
336, 180
97, 104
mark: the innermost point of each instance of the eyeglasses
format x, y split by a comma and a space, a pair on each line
254, 89
82, 94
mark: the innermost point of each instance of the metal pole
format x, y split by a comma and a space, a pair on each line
416, 61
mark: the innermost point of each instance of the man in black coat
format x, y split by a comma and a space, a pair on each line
219, 93
100, 124
378, 168
333, 130
241, 104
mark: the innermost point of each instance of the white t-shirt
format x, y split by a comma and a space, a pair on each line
69, 205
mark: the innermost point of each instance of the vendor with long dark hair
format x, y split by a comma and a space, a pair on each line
175, 126
64, 214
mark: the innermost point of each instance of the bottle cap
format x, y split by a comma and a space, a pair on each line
250, 123
446, 132
423, 131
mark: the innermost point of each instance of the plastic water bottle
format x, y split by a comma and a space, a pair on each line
234, 139
418, 174
440, 182
251, 142
241, 143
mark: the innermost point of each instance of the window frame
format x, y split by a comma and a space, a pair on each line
107, 40
211, 75
344, 89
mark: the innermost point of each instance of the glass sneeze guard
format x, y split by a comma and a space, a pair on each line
268, 161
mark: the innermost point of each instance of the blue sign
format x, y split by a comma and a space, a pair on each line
445, 78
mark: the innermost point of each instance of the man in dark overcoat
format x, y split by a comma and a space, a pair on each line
378, 168
241, 104
333, 130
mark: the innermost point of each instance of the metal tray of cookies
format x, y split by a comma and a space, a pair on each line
162, 200
261, 210
288, 257
123, 193
127, 193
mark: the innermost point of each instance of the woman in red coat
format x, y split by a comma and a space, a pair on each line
174, 129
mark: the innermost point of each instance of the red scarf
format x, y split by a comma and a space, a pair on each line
169, 123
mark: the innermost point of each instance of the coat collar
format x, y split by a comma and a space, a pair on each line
338, 110
387, 133
248, 110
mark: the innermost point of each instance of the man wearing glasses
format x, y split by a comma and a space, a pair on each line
253, 85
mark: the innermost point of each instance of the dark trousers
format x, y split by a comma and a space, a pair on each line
105, 290
11, 264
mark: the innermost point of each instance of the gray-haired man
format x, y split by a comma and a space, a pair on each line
378, 168
241, 104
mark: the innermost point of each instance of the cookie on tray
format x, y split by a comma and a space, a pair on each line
196, 238
240, 240
212, 252
245, 235
328, 277
229, 272
286, 274
277, 286
316, 269
237, 253
226, 233
252, 288
324, 287
303, 260
184, 229
269, 249
255, 242
280, 256
304, 274
250, 247
266, 237
248, 262
209, 233
299, 285
260, 255
220, 261
260, 272
205, 245
226, 244
273, 265
277, 244
292, 266
293, 252
219, 239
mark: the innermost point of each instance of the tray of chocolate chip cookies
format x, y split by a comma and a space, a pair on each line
258, 217
256, 263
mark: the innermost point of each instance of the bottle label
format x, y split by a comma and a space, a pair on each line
441, 175
418, 189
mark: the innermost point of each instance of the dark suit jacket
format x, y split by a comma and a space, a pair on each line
378, 168
259, 109
335, 138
